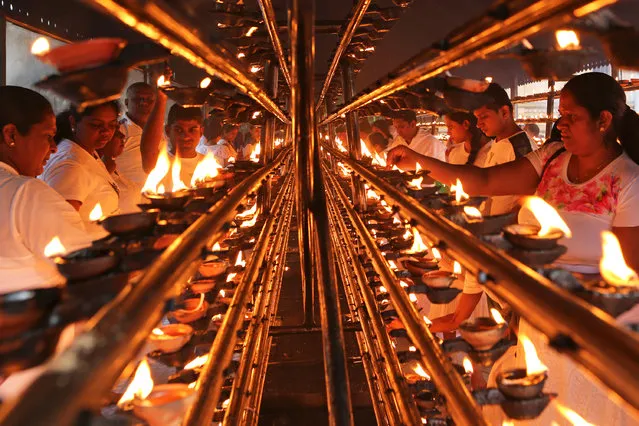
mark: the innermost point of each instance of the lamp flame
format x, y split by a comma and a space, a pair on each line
418, 167
340, 145
473, 213
392, 265
533, 363
140, 387
427, 320
468, 366
216, 247
407, 234
419, 370
497, 316
386, 207
40, 46
176, 169
418, 245
416, 183
547, 217
161, 169
197, 362
379, 160
247, 213
412, 297
397, 220
436, 254
96, 213
613, 267
230, 277
256, 114
372, 195
364, 149
403, 284
251, 31
567, 40
163, 82
206, 169
397, 169
206, 82
54, 248
458, 189
457, 269
239, 261
255, 155
571, 415
157, 332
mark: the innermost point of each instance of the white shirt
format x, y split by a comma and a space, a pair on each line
130, 194
31, 214
223, 150
186, 172
247, 150
78, 175
423, 143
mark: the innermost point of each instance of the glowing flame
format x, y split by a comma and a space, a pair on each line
412, 297
418, 245
256, 114
176, 169
161, 189
436, 254
255, 155
473, 213
397, 169
457, 269
407, 234
251, 31
571, 416
241, 55
255, 69
497, 316
239, 261
416, 183
427, 320
613, 266
533, 363
343, 170
340, 145
54, 248
231, 160
468, 366
392, 265
163, 82
192, 385
418, 167
206, 82
216, 247
364, 149
197, 362
206, 169
419, 370
507, 423
379, 160
96, 213
372, 195
386, 207
247, 213
222, 293
40, 46
458, 189
249, 223
382, 289
230, 277
161, 169
157, 332
488, 79
567, 40
547, 217
403, 284
141, 385
412, 349
397, 220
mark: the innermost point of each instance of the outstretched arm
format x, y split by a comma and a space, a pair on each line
152, 133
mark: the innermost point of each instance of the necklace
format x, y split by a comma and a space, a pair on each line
584, 177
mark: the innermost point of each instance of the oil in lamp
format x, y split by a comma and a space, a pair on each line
170, 338
193, 310
483, 333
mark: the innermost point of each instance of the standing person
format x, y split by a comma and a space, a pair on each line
417, 138
223, 149
469, 145
380, 135
254, 138
184, 129
77, 172
139, 157
31, 212
129, 191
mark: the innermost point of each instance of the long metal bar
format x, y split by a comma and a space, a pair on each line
211, 379
268, 130
312, 204
161, 23
461, 404
524, 23
356, 15
365, 297
271, 26
607, 351
80, 376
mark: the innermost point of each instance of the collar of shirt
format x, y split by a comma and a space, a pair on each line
68, 148
127, 121
508, 138
9, 169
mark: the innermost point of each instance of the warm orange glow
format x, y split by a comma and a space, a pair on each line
372, 195
407, 234
216, 247
403, 284
386, 207
256, 114
567, 40
416, 183
382, 289
427, 320
247, 213
392, 265
533, 363
507, 423
397, 220
197, 362
255, 69
54, 248
157, 331
397, 169
222, 293
419, 370
468, 366
206, 169
40, 46
613, 267
412, 349
239, 261
571, 415
458, 190
418, 167
412, 297
473, 213
364, 148
251, 31
497, 316
161, 189
176, 170
418, 245
340, 145
255, 155
96, 213
206, 82
547, 216
378, 160
163, 82
436, 254
230, 277
141, 385
231, 160
159, 172
457, 269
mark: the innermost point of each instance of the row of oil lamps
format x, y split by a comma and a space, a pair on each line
423, 272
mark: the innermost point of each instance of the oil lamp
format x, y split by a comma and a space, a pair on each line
418, 249
213, 268
538, 237
170, 338
524, 383
193, 310
483, 333
571, 416
155, 191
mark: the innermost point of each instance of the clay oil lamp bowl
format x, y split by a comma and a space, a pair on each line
191, 310
23, 310
418, 188
472, 219
170, 338
86, 263
418, 248
130, 223
168, 201
439, 285
528, 237
27, 350
484, 333
203, 285
524, 383
213, 268
618, 291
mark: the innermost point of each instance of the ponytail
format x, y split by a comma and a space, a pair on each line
475, 145
628, 133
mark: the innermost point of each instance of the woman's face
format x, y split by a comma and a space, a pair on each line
94, 131
579, 132
458, 132
114, 148
31, 151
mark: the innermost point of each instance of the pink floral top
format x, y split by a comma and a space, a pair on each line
609, 199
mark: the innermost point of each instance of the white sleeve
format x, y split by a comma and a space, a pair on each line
471, 285
70, 180
41, 214
539, 157
628, 205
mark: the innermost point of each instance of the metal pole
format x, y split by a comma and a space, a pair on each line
268, 130
271, 26
163, 24
550, 107
356, 16
352, 131
476, 44
312, 205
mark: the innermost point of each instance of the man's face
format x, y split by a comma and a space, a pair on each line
405, 129
185, 135
139, 103
491, 122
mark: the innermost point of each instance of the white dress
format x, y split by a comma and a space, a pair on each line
222, 150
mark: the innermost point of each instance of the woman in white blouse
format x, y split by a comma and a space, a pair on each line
31, 213
76, 170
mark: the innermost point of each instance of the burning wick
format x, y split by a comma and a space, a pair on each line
255, 155
157, 332
382, 289
140, 387
419, 370
161, 169
222, 293
176, 170
534, 366
364, 149
567, 40
163, 82
251, 31
197, 362
457, 269
547, 217
613, 267
230, 277
397, 220
407, 235
239, 261
458, 189
397, 169
472, 214
206, 82
416, 183
96, 213
468, 366
412, 349
216, 247
392, 265
412, 297
418, 167
427, 320
571, 416
54, 248
403, 284
497, 316
418, 245
40, 46
378, 160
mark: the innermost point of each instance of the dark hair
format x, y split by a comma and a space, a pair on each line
534, 129
497, 97
476, 134
22, 107
364, 125
407, 115
179, 113
599, 92
64, 130
555, 133
227, 127
136, 86
384, 126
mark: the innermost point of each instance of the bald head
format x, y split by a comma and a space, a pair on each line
139, 101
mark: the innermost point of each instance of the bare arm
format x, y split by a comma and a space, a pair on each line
76, 204
464, 309
152, 133
514, 178
629, 240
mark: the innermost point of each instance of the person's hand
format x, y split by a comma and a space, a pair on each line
403, 157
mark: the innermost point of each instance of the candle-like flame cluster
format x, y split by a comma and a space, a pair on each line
140, 387
162, 166
365, 151
372, 195
255, 155
612, 266
419, 370
416, 183
567, 40
54, 248
379, 160
533, 363
458, 190
418, 244
206, 169
548, 218
497, 316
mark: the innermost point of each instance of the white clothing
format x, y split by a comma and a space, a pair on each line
222, 150
31, 214
457, 154
129, 163
130, 195
78, 175
186, 172
247, 150
505, 151
202, 145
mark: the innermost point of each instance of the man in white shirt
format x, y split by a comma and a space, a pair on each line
223, 149
184, 129
417, 138
254, 137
